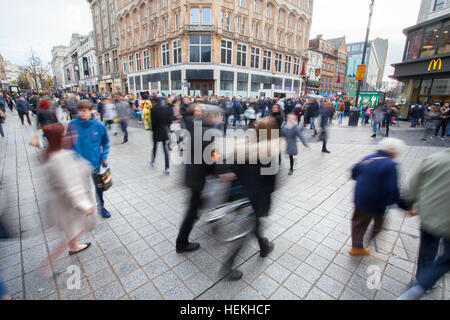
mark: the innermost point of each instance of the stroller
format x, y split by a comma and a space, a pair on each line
227, 210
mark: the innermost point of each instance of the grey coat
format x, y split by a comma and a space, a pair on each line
123, 110
291, 139
71, 193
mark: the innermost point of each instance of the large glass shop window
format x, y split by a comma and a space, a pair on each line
430, 38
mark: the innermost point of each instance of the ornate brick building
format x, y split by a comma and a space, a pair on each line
229, 47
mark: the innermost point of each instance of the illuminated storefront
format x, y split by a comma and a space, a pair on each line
425, 69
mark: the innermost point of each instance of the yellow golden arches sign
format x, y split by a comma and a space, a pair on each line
434, 64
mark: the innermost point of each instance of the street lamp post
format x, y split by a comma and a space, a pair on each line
358, 86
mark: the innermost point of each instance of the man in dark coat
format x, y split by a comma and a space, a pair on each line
324, 116
23, 108
195, 178
161, 119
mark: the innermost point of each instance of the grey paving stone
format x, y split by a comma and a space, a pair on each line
202, 259
330, 286
37, 286
166, 282
75, 293
112, 291
146, 292
347, 263
179, 293
155, 268
297, 285
118, 255
224, 290
265, 285
173, 259
277, 272
248, 293
125, 267
92, 266
317, 294
101, 278
289, 262
11, 272
137, 246
186, 270
199, 283
393, 286
155, 239
338, 273
359, 285
284, 294
384, 295
134, 280
15, 286
308, 273
317, 262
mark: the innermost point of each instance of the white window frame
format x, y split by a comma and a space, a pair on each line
287, 64
176, 48
278, 61
146, 57
165, 54
226, 49
254, 63
297, 66
125, 64
130, 63
138, 61
267, 60
194, 9
242, 53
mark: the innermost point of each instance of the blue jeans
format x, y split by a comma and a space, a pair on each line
430, 271
414, 122
341, 117
313, 123
3, 288
166, 153
237, 117
376, 126
97, 190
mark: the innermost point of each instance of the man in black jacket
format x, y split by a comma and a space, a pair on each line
313, 111
23, 109
161, 119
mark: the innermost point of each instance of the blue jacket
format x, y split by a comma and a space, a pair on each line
376, 183
91, 140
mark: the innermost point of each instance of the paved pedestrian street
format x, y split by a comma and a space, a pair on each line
133, 253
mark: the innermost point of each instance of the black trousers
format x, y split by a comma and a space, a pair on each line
441, 125
1, 130
291, 160
22, 114
189, 219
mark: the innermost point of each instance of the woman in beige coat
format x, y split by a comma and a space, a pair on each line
71, 192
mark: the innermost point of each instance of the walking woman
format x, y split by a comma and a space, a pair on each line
72, 197
291, 131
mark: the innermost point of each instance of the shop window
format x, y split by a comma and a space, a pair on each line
278, 59
425, 89
242, 86
430, 37
444, 42
226, 51
200, 48
241, 57
441, 87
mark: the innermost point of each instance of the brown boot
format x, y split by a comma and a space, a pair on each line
359, 251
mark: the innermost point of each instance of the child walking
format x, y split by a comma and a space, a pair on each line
291, 131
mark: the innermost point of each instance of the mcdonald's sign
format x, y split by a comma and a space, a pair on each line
435, 63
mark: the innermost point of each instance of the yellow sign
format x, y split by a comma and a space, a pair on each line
434, 64
360, 72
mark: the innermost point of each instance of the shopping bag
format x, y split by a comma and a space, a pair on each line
104, 180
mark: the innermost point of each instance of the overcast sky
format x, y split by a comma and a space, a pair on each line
43, 24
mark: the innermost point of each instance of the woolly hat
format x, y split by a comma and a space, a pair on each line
44, 104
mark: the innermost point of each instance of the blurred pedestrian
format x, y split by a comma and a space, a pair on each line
376, 188
123, 114
429, 190
71, 196
23, 109
324, 115
443, 119
146, 107
161, 119
378, 118
290, 132
91, 142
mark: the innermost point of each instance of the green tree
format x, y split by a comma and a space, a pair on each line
24, 81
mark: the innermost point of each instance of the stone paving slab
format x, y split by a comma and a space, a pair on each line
133, 253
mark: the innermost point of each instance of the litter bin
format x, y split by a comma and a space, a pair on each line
354, 118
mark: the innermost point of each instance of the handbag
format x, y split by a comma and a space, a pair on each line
104, 180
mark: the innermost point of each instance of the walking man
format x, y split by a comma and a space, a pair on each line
123, 114
23, 109
161, 119
428, 193
376, 189
91, 143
